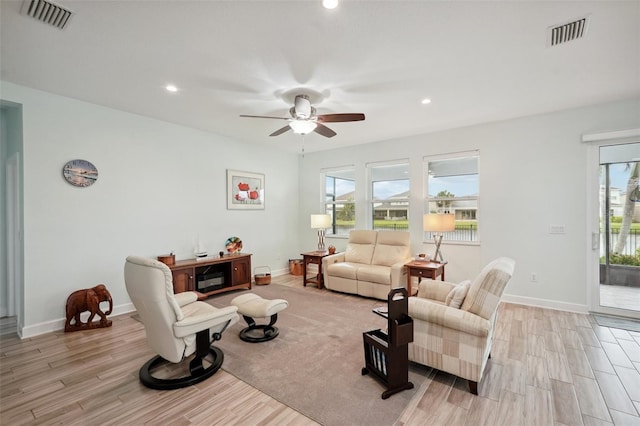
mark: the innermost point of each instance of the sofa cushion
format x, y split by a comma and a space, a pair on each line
343, 270
375, 274
360, 246
391, 247
457, 294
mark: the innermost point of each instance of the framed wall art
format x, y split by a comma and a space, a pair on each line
245, 190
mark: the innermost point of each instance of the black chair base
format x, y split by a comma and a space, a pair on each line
268, 333
197, 375
197, 370
265, 331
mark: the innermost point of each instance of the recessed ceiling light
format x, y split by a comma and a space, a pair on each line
330, 4
426, 101
171, 88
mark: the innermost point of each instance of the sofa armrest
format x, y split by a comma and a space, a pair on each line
446, 316
434, 289
332, 258
399, 273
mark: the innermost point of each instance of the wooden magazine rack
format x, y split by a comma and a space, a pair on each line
387, 355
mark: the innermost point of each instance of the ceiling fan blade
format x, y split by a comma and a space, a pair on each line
264, 116
338, 118
280, 131
324, 130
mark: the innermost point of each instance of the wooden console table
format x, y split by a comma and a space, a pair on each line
212, 275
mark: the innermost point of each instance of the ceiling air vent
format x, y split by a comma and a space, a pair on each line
574, 30
47, 12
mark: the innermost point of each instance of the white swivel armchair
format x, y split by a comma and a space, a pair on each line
454, 323
177, 326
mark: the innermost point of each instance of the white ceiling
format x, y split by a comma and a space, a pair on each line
478, 61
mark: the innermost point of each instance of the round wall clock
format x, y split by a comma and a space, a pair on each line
80, 173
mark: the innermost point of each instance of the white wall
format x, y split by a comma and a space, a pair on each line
160, 187
532, 175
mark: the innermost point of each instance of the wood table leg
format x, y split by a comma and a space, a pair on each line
304, 271
319, 277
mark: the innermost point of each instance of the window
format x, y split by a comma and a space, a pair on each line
340, 194
452, 186
389, 195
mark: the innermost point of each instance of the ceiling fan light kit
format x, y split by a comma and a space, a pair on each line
304, 119
330, 4
302, 127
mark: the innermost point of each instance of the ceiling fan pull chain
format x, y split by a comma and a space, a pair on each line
302, 146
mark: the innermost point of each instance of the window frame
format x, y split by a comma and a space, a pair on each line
324, 174
370, 202
427, 236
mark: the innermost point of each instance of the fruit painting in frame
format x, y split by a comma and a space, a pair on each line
245, 190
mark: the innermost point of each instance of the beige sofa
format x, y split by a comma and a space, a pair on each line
372, 264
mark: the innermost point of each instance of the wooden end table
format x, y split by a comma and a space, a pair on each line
423, 269
314, 257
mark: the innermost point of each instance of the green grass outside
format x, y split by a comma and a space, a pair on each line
616, 226
462, 224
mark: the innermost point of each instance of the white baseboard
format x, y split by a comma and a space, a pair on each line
58, 324
279, 272
545, 303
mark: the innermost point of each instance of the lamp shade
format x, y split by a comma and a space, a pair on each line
320, 221
439, 222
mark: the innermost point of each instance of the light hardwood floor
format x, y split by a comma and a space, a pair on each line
547, 368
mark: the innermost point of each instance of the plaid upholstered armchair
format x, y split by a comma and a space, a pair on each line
454, 323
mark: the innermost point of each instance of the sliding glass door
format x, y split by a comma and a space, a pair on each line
619, 206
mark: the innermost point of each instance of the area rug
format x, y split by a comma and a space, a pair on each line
314, 365
617, 322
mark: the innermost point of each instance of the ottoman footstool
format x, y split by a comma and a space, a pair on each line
252, 306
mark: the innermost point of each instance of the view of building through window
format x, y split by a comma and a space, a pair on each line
619, 183
340, 190
390, 193
452, 187
451, 184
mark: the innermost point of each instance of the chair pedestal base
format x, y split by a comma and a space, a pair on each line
269, 332
197, 370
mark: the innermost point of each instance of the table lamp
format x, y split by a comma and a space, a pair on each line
438, 223
320, 222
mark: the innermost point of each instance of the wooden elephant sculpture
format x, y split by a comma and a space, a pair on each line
88, 299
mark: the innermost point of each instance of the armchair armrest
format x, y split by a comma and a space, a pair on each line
185, 298
446, 316
204, 318
434, 289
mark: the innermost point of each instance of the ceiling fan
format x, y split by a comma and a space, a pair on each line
304, 119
